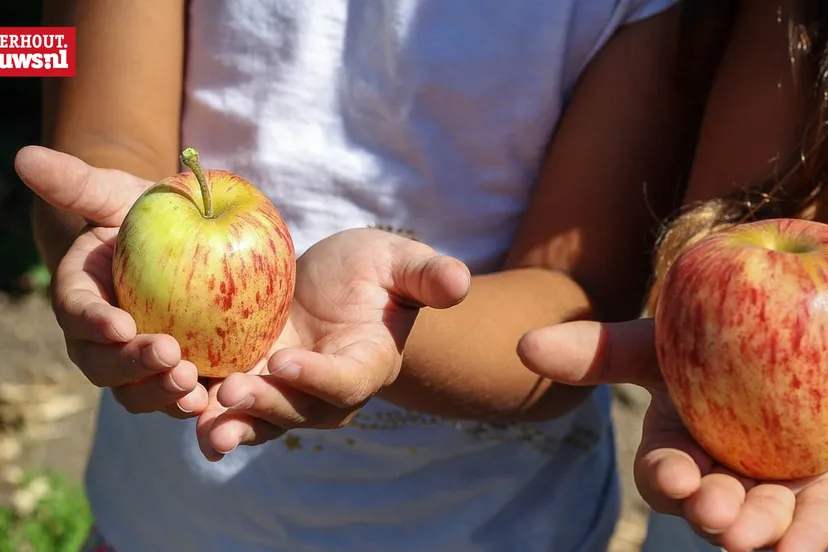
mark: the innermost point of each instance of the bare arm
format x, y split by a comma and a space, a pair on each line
122, 110
583, 248
754, 118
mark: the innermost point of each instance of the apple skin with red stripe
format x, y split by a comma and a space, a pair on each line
741, 332
217, 275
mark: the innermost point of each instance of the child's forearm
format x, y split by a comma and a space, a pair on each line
122, 110
462, 362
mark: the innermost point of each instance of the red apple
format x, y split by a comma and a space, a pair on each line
741, 330
205, 256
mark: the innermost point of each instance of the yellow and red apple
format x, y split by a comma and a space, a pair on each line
741, 329
205, 256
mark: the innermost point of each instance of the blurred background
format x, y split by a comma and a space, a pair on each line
19, 125
47, 409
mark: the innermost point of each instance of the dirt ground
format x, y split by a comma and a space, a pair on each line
47, 410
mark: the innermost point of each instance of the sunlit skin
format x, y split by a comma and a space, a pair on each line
742, 335
217, 275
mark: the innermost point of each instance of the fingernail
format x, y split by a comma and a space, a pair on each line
213, 455
173, 384
246, 402
157, 358
712, 531
182, 409
116, 334
228, 451
289, 371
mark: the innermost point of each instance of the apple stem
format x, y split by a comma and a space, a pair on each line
190, 158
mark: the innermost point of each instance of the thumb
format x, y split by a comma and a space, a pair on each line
101, 196
592, 353
428, 279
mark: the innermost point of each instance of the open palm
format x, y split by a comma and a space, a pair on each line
357, 296
672, 472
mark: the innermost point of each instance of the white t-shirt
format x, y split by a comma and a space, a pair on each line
431, 117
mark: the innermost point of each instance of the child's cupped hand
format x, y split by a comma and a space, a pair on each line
672, 472
357, 296
144, 371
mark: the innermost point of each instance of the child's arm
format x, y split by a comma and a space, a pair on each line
122, 110
759, 107
621, 149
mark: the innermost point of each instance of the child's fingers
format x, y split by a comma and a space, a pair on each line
163, 390
715, 506
592, 353
117, 365
79, 299
765, 516
68, 183
809, 529
232, 428
275, 402
669, 464
344, 379
666, 478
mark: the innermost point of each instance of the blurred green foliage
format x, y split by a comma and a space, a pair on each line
59, 522
20, 269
